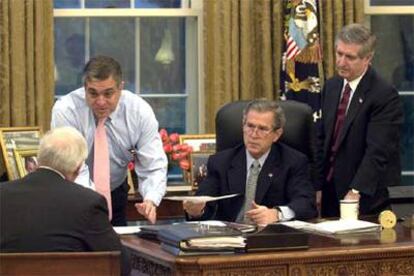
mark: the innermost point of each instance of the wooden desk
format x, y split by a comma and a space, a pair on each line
326, 256
167, 210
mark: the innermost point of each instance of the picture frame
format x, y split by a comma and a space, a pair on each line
200, 142
14, 139
389, 7
198, 171
26, 161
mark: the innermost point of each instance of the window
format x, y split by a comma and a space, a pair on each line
394, 60
157, 43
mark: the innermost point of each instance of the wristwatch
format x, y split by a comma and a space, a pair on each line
279, 212
355, 191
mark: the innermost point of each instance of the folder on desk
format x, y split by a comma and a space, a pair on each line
277, 237
201, 237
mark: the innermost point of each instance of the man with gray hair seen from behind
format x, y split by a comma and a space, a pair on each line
45, 211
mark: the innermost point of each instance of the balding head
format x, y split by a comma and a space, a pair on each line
63, 149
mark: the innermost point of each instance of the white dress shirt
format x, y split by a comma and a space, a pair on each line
132, 126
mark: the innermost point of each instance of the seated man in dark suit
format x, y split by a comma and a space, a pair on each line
46, 212
272, 179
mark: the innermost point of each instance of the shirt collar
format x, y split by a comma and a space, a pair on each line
354, 83
250, 159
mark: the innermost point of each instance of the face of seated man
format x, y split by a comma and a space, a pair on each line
259, 132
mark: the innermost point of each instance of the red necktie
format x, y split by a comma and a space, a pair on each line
101, 164
340, 118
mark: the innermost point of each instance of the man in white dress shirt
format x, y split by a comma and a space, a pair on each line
131, 130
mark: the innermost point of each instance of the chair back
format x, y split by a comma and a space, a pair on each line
299, 131
61, 263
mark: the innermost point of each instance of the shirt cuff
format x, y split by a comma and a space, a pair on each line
286, 213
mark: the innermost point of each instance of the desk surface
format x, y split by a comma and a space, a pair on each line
391, 253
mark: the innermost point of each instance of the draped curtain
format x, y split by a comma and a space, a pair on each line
242, 52
26, 63
244, 43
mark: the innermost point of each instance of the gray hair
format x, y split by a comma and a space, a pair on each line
262, 105
63, 149
101, 68
358, 34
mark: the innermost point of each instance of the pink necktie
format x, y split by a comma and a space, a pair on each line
101, 164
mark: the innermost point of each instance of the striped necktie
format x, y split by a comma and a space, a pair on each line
340, 118
251, 185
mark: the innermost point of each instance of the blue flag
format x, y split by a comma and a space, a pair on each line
302, 56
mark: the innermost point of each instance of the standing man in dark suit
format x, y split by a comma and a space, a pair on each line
282, 188
46, 211
359, 154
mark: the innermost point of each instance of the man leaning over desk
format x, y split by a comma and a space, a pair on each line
271, 177
125, 129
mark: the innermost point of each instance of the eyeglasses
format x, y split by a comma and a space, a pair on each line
261, 131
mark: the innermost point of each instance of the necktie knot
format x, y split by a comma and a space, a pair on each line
101, 122
255, 168
347, 89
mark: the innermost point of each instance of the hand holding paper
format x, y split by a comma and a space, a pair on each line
199, 199
193, 209
194, 205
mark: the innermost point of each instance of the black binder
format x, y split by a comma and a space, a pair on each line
179, 235
277, 237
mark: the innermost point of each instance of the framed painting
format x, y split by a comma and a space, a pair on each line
16, 139
200, 142
389, 6
26, 161
198, 167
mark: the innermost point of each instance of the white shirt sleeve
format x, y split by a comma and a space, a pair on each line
286, 213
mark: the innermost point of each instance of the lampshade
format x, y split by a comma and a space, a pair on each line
165, 54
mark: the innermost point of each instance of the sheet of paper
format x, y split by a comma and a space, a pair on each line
124, 230
199, 199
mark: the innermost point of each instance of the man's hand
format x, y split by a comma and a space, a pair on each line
148, 209
352, 195
261, 215
193, 209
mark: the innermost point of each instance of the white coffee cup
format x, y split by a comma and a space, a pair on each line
349, 209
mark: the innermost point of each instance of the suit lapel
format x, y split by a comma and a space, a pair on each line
268, 173
332, 101
237, 173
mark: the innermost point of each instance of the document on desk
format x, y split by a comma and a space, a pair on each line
199, 199
336, 227
125, 230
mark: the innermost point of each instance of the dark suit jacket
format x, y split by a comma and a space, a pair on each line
42, 212
368, 157
283, 181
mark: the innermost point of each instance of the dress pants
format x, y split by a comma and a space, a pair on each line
119, 198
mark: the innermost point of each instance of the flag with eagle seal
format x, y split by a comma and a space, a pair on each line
302, 55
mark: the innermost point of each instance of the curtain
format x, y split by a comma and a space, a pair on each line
333, 15
243, 49
26, 63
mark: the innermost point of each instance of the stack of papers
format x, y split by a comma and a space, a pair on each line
336, 227
214, 243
